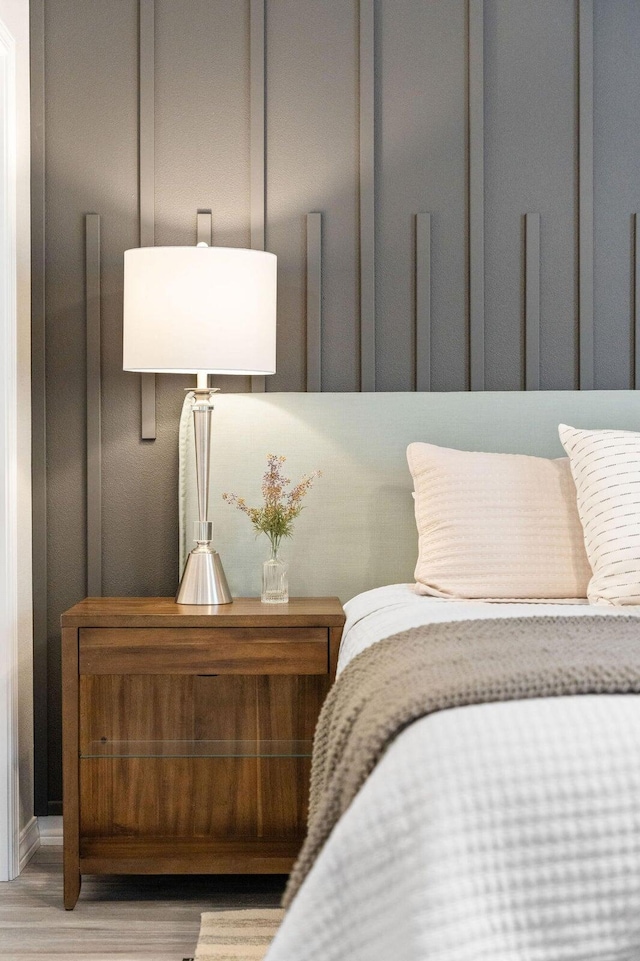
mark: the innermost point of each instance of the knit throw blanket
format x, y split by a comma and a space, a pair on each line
438, 666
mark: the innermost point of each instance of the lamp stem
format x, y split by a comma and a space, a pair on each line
203, 581
202, 415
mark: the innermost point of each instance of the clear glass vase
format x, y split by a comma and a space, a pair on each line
275, 579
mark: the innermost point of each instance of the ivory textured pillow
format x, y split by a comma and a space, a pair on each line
496, 526
606, 469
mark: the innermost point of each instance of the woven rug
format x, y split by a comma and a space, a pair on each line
237, 935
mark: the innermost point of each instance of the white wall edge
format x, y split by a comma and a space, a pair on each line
9, 747
50, 830
29, 842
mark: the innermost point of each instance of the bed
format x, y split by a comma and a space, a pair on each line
506, 831
503, 831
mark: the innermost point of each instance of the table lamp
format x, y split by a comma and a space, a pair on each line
200, 310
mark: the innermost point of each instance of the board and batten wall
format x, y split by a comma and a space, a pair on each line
452, 188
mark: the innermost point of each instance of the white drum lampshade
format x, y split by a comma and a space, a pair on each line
200, 310
191, 309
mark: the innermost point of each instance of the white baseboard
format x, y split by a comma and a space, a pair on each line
29, 842
50, 830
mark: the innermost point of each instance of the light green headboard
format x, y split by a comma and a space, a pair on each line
357, 530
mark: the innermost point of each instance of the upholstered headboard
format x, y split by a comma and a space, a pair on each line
357, 530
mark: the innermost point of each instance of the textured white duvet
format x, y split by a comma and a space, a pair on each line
497, 832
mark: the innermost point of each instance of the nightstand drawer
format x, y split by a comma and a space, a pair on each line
192, 650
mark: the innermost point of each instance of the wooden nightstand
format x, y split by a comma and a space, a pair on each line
187, 733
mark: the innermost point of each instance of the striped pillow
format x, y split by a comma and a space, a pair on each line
606, 469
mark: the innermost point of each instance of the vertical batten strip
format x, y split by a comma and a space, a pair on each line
204, 229
204, 235
636, 301
257, 134
146, 128
257, 104
532, 300
94, 401
423, 301
367, 197
148, 406
147, 123
476, 195
314, 302
585, 177
39, 409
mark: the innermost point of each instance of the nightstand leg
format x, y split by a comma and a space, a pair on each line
70, 761
72, 882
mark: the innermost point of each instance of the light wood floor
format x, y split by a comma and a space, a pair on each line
124, 918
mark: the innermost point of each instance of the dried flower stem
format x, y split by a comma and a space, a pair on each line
281, 506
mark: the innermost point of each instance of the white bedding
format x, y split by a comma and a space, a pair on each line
496, 832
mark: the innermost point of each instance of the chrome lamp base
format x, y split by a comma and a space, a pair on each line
204, 580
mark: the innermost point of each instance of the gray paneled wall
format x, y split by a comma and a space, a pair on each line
452, 188
616, 190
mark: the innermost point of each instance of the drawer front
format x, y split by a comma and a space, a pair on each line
192, 650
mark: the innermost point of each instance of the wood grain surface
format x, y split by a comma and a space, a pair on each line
187, 856
189, 650
243, 612
135, 682
70, 772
